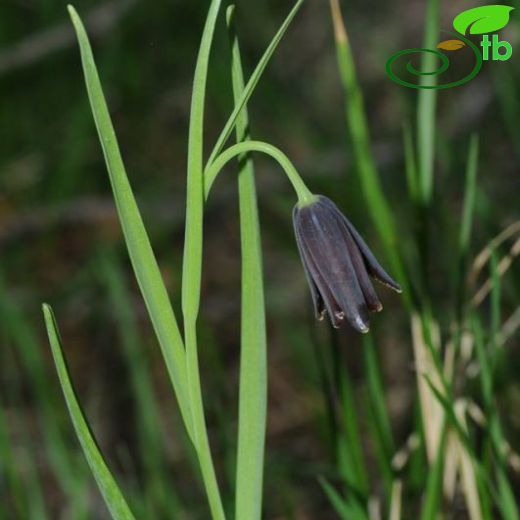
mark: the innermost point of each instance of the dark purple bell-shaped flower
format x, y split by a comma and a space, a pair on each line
338, 264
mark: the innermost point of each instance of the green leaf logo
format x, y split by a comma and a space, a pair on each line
482, 20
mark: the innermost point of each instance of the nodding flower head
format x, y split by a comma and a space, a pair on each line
338, 264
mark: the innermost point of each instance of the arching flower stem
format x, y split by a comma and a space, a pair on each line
304, 194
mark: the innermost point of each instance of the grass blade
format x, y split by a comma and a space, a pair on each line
410, 163
469, 195
351, 461
426, 105
430, 508
139, 249
346, 510
380, 423
470, 191
107, 485
253, 356
251, 84
372, 190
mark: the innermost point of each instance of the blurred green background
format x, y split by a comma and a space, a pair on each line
60, 242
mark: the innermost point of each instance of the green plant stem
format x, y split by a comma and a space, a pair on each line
252, 414
201, 440
303, 193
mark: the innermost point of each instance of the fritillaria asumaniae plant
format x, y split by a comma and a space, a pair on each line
337, 262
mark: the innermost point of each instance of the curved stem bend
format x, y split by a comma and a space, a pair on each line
304, 195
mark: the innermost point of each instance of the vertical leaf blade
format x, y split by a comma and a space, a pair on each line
253, 358
192, 263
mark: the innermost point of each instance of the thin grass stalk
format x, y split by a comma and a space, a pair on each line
380, 422
378, 206
426, 109
410, 162
253, 354
470, 191
426, 106
351, 464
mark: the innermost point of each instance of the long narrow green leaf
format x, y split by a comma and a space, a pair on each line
469, 194
380, 423
192, 263
253, 354
351, 460
470, 190
410, 163
251, 84
107, 485
139, 248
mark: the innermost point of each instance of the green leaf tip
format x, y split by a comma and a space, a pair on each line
107, 485
230, 11
482, 20
48, 315
72, 12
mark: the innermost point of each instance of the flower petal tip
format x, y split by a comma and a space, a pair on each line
361, 325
